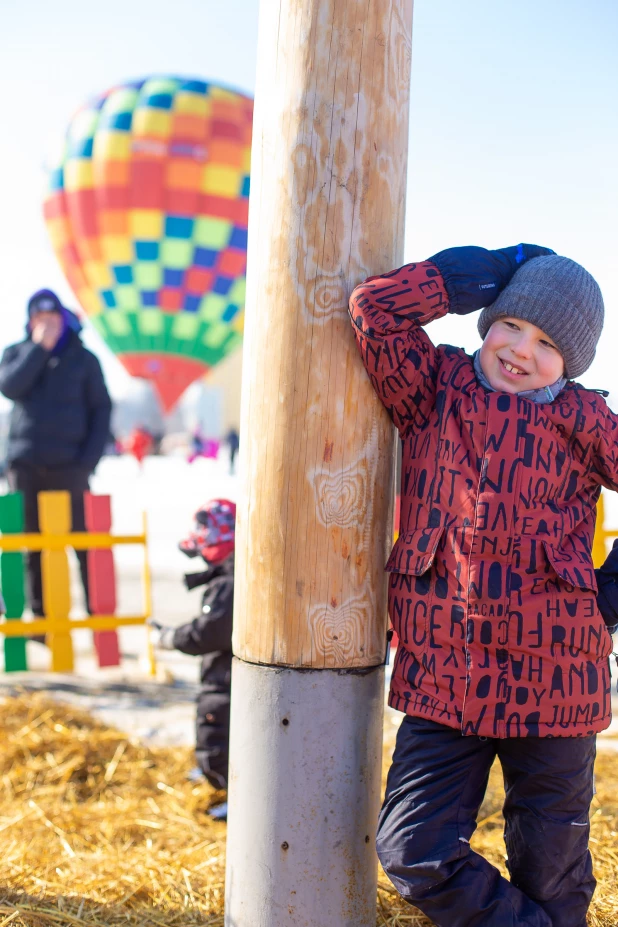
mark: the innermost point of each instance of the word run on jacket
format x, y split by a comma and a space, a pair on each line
491, 587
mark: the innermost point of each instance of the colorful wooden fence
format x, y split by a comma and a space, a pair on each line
53, 540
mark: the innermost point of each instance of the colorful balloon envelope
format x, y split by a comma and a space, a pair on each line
147, 213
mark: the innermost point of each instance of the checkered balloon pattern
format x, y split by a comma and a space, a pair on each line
147, 213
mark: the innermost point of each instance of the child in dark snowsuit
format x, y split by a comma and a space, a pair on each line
503, 650
210, 635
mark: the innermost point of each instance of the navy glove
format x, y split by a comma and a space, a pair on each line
607, 596
474, 277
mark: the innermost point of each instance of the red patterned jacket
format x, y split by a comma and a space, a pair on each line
492, 588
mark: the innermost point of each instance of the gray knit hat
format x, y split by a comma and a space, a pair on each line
560, 297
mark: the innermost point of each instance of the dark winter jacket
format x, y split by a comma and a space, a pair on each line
210, 634
62, 409
492, 590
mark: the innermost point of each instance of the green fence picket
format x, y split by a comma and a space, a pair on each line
12, 576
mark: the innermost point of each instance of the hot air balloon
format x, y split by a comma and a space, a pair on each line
147, 214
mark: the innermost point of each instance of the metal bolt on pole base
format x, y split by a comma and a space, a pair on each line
304, 792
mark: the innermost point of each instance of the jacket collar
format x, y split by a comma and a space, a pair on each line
545, 394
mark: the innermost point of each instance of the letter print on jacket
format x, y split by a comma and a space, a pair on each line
492, 588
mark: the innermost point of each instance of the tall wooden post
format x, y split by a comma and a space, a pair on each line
314, 528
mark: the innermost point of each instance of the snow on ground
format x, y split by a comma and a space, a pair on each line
169, 490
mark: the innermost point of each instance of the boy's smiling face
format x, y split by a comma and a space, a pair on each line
517, 356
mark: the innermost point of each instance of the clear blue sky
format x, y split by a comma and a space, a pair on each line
514, 129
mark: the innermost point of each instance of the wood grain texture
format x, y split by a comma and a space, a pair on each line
328, 178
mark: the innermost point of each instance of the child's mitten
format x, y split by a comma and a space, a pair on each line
607, 597
161, 636
474, 276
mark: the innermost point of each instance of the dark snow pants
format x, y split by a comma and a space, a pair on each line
212, 747
30, 481
434, 790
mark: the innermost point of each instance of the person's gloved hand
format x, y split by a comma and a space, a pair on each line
607, 596
607, 600
474, 277
161, 636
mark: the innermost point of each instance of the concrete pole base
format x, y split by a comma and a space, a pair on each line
304, 792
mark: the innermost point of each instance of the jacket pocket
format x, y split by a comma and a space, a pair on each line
575, 569
414, 551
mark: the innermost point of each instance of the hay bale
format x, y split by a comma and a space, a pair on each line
99, 830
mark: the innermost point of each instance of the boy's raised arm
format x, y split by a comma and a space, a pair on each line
606, 461
387, 313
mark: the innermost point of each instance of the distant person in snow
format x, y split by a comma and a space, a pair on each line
233, 441
202, 447
139, 443
59, 422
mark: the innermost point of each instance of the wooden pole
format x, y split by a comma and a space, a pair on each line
328, 177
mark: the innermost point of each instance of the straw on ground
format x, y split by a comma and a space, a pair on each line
98, 830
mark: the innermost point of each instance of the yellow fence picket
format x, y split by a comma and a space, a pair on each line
55, 518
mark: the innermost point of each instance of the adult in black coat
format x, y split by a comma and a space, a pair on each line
209, 635
60, 418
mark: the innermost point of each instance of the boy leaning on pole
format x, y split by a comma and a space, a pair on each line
503, 650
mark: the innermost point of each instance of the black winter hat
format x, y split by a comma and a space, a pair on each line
44, 301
